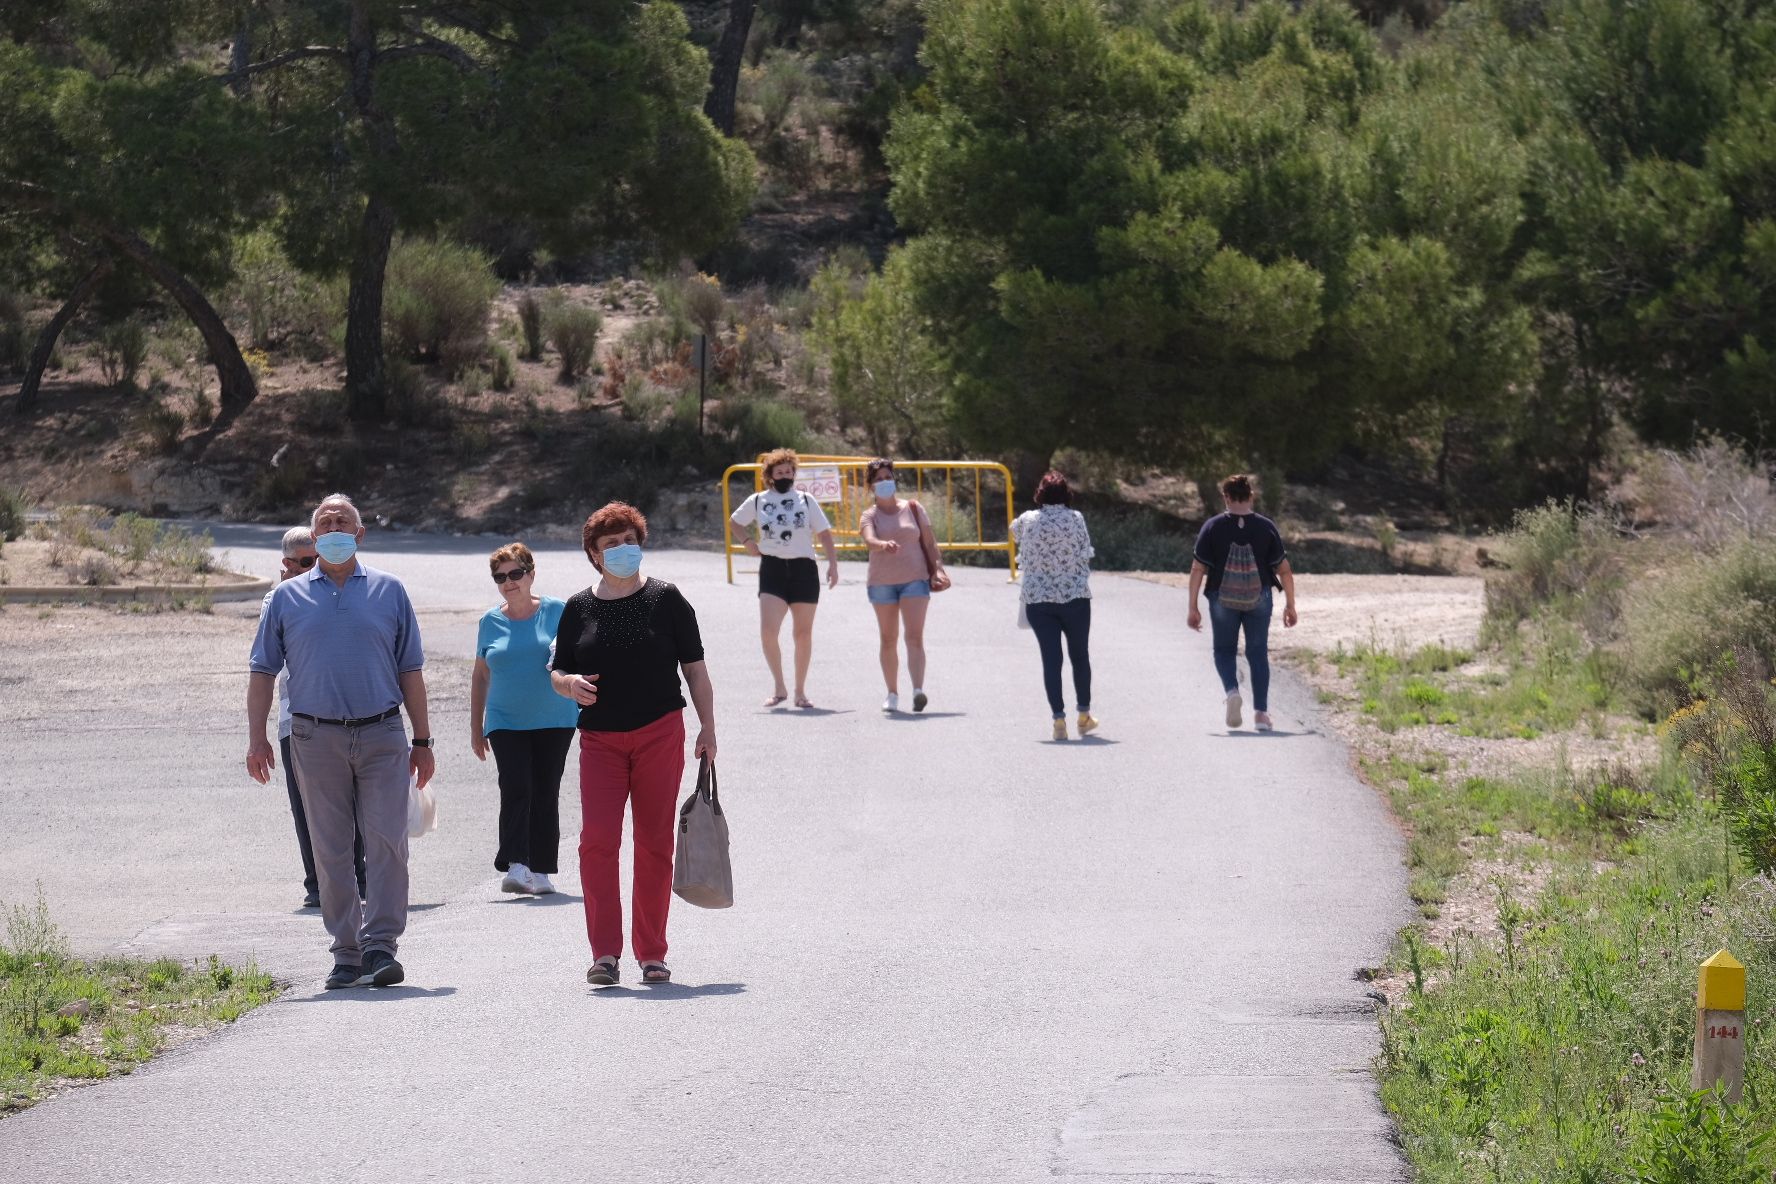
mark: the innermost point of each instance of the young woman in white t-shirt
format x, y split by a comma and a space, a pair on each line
781, 524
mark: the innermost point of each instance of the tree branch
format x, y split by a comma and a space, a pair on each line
281, 60
429, 47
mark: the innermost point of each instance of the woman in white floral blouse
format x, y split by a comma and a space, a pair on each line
1055, 553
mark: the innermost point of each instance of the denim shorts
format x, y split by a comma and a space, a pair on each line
894, 593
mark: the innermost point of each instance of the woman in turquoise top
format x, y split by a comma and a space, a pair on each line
515, 711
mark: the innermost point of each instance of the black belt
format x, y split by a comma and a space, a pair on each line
391, 713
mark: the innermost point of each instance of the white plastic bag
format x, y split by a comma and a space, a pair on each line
422, 809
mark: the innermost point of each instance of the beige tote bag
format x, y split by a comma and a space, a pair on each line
701, 874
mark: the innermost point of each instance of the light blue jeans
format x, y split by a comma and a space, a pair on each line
1225, 623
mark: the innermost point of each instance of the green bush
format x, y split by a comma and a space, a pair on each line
1139, 540
1560, 557
203, 408
163, 426
440, 295
1679, 624
123, 347
530, 320
758, 425
278, 303
503, 371
412, 399
574, 330
14, 503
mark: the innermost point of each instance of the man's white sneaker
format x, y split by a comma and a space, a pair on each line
1234, 703
517, 879
891, 704
1261, 721
539, 883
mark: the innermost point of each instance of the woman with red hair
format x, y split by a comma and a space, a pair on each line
622, 644
1054, 555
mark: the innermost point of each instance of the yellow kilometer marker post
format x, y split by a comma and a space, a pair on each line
1720, 1026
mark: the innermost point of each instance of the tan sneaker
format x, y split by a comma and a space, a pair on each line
1088, 723
1060, 729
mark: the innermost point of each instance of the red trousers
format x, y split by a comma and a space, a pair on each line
642, 769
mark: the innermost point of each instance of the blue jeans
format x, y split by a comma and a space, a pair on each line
895, 593
1226, 625
1072, 620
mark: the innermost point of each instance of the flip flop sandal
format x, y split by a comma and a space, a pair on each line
804, 703
603, 973
655, 972
774, 700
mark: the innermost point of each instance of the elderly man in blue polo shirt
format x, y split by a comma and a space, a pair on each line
348, 636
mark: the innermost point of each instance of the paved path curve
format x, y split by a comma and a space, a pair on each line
960, 953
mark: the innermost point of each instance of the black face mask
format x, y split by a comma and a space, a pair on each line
783, 484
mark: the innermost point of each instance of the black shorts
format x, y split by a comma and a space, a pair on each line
794, 580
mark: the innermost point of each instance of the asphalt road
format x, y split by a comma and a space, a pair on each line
961, 952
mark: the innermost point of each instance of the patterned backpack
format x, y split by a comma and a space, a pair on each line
1241, 584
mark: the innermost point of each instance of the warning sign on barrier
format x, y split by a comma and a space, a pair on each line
820, 482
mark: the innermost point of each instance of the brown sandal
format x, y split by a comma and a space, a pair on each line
655, 972
603, 973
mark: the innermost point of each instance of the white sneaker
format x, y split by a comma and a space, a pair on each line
1261, 721
517, 879
540, 885
891, 704
1234, 703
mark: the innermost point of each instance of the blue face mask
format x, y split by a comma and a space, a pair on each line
622, 561
887, 488
337, 546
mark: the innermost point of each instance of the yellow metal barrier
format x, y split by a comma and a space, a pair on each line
846, 498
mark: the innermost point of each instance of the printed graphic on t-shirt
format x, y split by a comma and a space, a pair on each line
782, 515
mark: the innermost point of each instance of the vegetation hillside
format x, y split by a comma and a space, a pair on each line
1468, 253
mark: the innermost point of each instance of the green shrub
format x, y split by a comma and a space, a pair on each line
530, 319
278, 303
643, 402
123, 347
440, 294
574, 330
1562, 558
203, 408
14, 503
503, 371
1678, 625
1139, 540
758, 425
412, 399
163, 426
322, 412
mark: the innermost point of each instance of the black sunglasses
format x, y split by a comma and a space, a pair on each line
303, 561
516, 574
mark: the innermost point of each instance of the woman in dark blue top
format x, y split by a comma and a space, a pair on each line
1241, 556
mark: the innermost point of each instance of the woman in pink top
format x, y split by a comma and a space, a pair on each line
905, 568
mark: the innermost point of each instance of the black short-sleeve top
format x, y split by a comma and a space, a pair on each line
1221, 532
635, 645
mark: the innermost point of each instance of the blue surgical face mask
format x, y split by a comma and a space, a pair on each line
887, 488
337, 546
623, 560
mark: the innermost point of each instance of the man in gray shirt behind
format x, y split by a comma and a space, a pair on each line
349, 638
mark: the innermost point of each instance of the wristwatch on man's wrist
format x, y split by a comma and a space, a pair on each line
421, 742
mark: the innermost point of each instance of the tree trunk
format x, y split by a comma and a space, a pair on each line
724, 73
238, 386
236, 378
46, 340
366, 377
240, 56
